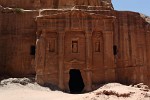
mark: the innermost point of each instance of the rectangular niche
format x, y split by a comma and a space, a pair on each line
97, 46
52, 45
75, 46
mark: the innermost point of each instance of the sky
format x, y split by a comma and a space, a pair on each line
142, 6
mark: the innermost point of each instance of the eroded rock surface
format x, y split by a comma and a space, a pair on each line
103, 44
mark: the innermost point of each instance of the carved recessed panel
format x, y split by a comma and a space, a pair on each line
74, 46
52, 45
97, 46
97, 42
51, 39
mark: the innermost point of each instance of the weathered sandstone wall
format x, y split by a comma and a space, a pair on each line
1, 68
40, 4
26, 4
17, 35
132, 40
55, 58
127, 35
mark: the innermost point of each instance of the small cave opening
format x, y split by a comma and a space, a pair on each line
115, 50
76, 84
32, 50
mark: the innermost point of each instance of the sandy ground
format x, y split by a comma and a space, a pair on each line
23, 89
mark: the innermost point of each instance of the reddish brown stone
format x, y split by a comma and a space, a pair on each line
103, 44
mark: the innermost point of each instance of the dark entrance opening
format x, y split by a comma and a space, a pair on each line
76, 84
115, 50
32, 50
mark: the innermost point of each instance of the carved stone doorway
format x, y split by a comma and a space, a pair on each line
76, 84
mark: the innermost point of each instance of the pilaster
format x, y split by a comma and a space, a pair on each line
89, 61
61, 59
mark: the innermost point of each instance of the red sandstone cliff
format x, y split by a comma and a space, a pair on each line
17, 35
129, 33
40, 4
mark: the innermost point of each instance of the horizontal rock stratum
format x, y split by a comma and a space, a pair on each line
36, 4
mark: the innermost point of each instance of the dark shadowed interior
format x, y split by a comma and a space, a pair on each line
76, 84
